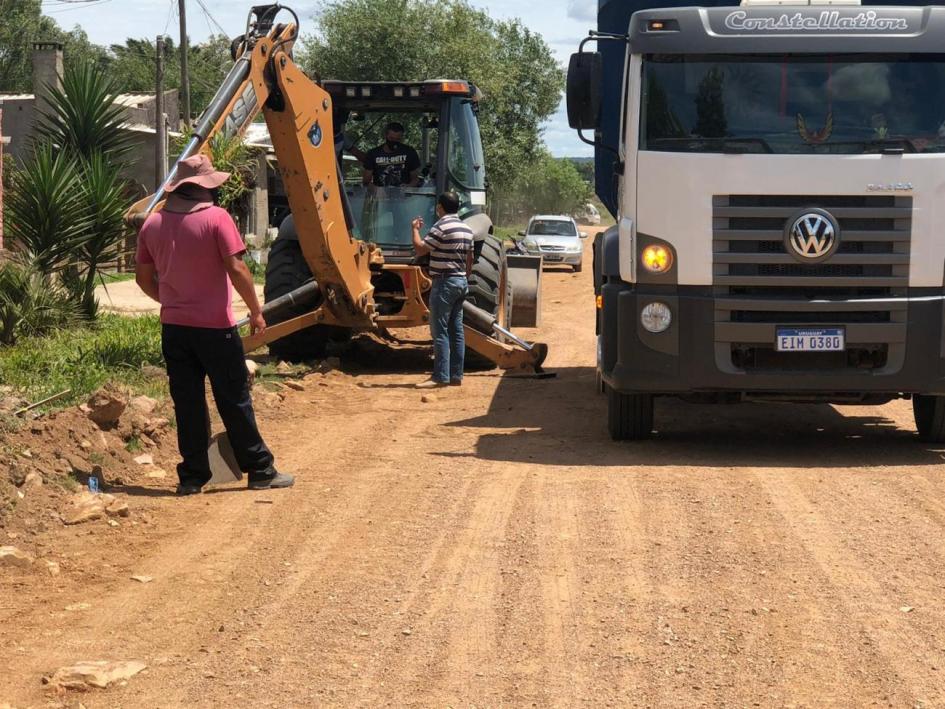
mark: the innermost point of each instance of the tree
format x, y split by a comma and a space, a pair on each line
552, 186
23, 24
66, 203
133, 65
513, 66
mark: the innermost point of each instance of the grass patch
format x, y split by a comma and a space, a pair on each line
258, 270
133, 445
106, 278
508, 233
82, 359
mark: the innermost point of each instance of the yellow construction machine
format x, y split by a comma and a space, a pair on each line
342, 262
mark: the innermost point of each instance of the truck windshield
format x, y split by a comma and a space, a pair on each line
844, 104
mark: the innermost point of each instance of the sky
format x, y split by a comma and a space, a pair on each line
563, 23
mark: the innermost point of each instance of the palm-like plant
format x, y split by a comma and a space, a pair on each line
106, 200
30, 304
47, 213
83, 117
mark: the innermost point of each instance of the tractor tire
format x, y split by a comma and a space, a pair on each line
489, 278
629, 416
929, 412
286, 271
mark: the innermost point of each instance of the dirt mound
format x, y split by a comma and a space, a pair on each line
117, 439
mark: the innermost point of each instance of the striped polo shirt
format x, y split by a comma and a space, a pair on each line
450, 240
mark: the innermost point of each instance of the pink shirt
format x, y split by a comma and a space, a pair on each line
188, 251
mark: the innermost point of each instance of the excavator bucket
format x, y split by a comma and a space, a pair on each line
525, 278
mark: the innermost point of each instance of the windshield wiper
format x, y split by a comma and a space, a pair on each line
887, 146
728, 145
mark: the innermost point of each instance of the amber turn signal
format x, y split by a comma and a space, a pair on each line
657, 259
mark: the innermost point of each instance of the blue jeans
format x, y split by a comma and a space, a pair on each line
446, 325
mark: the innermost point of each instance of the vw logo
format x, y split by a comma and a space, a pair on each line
812, 236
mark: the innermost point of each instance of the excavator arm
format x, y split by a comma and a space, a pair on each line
298, 113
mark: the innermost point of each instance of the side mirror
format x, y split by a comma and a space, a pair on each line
521, 233
584, 83
582, 234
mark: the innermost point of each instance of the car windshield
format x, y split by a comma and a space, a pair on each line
552, 227
843, 104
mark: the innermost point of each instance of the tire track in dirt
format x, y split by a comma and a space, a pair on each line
883, 631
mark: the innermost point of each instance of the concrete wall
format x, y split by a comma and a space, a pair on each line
18, 117
141, 109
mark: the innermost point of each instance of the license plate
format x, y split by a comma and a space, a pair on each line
554, 258
825, 339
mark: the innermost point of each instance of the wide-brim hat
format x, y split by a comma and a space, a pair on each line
197, 170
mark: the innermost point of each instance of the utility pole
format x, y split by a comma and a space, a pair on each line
160, 121
184, 75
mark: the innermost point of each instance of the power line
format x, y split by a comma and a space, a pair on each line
211, 18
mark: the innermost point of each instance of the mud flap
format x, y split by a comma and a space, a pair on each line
525, 278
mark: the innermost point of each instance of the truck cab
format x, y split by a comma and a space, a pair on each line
778, 185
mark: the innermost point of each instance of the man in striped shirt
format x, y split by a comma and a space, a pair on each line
450, 245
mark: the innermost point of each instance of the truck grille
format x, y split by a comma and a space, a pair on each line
760, 286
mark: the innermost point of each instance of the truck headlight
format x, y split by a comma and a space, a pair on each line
530, 245
656, 259
656, 317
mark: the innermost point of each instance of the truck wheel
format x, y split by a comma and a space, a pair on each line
929, 414
629, 416
488, 282
286, 271
578, 268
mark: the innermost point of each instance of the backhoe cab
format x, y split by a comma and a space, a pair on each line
343, 262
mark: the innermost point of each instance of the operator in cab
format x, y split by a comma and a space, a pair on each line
392, 164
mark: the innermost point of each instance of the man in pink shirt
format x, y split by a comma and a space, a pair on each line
189, 253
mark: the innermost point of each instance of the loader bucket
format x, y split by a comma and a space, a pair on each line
525, 278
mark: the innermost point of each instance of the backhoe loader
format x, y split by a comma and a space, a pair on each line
342, 262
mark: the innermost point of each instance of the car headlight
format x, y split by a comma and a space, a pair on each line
656, 317
531, 245
575, 249
657, 259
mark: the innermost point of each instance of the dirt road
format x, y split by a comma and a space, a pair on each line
495, 548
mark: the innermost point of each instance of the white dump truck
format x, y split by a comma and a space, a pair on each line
779, 187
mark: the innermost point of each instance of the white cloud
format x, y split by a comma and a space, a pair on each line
585, 10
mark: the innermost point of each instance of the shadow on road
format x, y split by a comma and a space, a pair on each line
563, 422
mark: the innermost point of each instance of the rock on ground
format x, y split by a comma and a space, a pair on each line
12, 556
99, 674
143, 405
105, 408
88, 507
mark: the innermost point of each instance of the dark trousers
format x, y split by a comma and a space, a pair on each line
192, 354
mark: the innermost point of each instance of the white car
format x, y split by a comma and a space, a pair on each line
589, 215
556, 238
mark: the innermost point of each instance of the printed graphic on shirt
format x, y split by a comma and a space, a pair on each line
392, 169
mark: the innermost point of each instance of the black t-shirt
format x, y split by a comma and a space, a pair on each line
392, 169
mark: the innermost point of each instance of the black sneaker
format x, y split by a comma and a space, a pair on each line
184, 490
276, 481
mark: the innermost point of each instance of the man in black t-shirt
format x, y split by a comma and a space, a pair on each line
392, 164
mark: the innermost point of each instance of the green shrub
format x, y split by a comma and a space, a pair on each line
82, 359
30, 305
